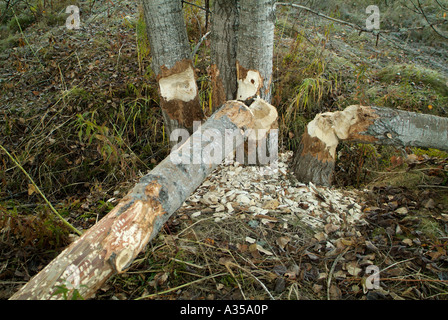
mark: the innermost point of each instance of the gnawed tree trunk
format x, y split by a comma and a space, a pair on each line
254, 62
111, 245
223, 51
171, 62
314, 159
255, 49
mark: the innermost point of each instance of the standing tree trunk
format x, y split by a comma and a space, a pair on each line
171, 62
223, 51
254, 62
255, 49
112, 244
314, 159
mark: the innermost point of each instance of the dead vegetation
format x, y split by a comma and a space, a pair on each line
79, 111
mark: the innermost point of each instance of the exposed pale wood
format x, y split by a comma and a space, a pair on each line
314, 159
110, 246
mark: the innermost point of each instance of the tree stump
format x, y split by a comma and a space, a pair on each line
314, 159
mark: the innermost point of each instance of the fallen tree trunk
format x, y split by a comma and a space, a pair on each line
111, 245
314, 159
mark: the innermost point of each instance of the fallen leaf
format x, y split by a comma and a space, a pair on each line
317, 288
283, 241
196, 214
353, 268
402, 210
371, 246
330, 228
254, 251
159, 279
31, 189
242, 247
412, 158
312, 256
335, 292
280, 285
321, 236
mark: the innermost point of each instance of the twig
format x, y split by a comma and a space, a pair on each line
187, 263
330, 275
432, 186
227, 265
259, 281
196, 48
427, 20
40, 192
203, 252
358, 27
250, 274
119, 54
181, 286
207, 10
26, 40
396, 263
320, 14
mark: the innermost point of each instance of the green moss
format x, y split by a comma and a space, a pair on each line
413, 74
430, 153
410, 87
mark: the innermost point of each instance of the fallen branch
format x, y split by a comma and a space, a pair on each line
111, 245
315, 157
358, 27
320, 14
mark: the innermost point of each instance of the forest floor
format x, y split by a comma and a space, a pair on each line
79, 111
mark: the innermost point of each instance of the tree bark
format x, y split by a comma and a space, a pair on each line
255, 49
223, 51
314, 159
254, 62
111, 245
171, 62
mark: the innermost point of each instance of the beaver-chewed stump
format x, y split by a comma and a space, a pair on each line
314, 159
